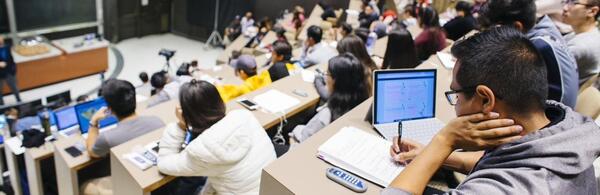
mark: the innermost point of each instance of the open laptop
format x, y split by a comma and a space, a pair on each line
86, 110
405, 96
66, 121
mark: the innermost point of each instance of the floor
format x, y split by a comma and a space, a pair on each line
139, 54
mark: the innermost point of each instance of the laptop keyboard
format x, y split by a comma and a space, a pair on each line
421, 130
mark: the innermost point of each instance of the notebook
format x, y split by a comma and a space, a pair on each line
274, 101
364, 154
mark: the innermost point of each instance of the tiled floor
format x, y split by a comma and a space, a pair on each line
139, 54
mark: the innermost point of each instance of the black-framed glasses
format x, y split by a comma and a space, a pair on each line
452, 95
571, 3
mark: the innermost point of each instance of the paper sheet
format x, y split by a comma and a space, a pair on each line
308, 76
447, 59
15, 145
274, 101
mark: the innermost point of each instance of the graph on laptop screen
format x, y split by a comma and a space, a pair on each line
86, 110
404, 95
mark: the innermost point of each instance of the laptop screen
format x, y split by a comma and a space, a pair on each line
86, 110
404, 95
65, 118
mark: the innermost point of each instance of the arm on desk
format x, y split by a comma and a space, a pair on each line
96, 146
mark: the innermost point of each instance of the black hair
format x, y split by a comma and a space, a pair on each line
507, 12
354, 45
465, 7
400, 52
201, 104
346, 27
143, 76
428, 18
315, 32
82, 98
503, 59
595, 3
362, 33
350, 87
283, 48
120, 97
159, 79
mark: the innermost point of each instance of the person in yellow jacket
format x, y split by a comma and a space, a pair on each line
245, 68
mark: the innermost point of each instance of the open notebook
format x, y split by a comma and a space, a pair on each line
361, 153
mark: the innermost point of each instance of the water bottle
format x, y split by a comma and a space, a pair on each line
46, 122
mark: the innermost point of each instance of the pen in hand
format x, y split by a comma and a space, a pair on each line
400, 136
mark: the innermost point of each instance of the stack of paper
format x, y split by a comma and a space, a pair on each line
361, 153
274, 101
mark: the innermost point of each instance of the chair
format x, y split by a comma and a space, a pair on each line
588, 102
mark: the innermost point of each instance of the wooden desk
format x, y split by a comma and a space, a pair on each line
237, 44
33, 163
62, 63
67, 166
300, 171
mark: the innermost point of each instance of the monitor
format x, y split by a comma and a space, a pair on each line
30, 108
59, 99
65, 118
403, 95
86, 110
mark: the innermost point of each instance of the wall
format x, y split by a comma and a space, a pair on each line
273, 8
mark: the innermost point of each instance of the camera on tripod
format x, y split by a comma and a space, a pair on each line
168, 54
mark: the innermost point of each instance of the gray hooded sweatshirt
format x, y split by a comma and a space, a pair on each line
556, 159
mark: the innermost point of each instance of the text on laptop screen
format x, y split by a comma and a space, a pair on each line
65, 118
86, 110
404, 95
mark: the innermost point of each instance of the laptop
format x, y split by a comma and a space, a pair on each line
86, 110
405, 96
66, 121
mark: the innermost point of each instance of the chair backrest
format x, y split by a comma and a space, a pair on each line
588, 102
588, 83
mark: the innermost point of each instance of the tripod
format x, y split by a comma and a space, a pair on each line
215, 38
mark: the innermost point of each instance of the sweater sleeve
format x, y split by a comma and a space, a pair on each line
173, 160
321, 87
318, 122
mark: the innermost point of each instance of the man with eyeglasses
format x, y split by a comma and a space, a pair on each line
584, 42
507, 137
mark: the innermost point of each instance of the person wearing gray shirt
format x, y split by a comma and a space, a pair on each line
120, 100
584, 42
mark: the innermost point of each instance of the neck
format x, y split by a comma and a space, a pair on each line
585, 27
532, 123
127, 118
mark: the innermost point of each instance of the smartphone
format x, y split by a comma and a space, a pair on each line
73, 151
248, 104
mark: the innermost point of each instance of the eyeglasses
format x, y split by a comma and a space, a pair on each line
452, 95
572, 3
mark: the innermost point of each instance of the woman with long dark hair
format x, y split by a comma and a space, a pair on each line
230, 149
346, 81
433, 37
400, 52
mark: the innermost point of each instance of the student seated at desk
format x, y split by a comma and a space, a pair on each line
400, 51
433, 38
463, 23
348, 86
231, 149
120, 100
354, 45
526, 144
166, 87
245, 68
280, 58
314, 51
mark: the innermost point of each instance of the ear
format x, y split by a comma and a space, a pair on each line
519, 26
488, 99
593, 11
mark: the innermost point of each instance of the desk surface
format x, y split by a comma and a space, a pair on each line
237, 44
68, 44
53, 52
73, 163
282, 175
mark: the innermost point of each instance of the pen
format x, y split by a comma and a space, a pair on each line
400, 135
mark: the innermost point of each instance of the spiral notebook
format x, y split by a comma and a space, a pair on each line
364, 154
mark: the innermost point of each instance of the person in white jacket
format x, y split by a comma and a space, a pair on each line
230, 149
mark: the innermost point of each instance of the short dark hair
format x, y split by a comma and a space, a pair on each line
507, 12
119, 96
362, 33
314, 32
143, 76
350, 87
159, 79
201, 104
400, 51
428, 17
346, 27
283, 48
464, 6
503, 59
595, 3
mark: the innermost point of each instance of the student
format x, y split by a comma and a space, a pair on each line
120, 100
527, 145
8, 70
368, 37
409, 17
246, 22
328, 11
346, 81
584, 43
145, 88
280, 58
400, 52
315, 52
345, 29
230, 148
433, 38
563, 78
367, 17
166, 88
245, 68
463, 23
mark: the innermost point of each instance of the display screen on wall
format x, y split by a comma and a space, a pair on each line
4, 28
34, 14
